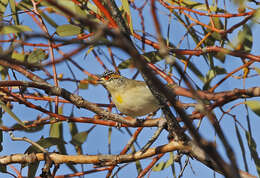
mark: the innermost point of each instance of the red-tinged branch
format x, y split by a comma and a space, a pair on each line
78, 174
221, 97
106, 160
21, 70
150, 166
106, 13
74, 99
226, 15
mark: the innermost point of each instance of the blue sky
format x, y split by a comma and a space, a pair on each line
97, 141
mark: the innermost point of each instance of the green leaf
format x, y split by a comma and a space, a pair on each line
14, 29
212, 73
3, 6
28, 130
159, 167
79, 138
2, 68
19, 56
257, 70
241, 144
73, 128
126, 9
239, 2
60, 110
152, 57
45, 143
195, 5
83, 84
9, 111
71, 6
1, 140
1, 116
32, 169
68, 4
68, 30
73, 131
219, 25
173, 168
14, 12
163, 165
109, 137
254, 106
37, 56
210, 41
3, 168
256, 16
254, 154
33, 57
49, 19
243, 40
93, 8
220, 56
56, 130
24, 5
170, 160
138, 164
4, 72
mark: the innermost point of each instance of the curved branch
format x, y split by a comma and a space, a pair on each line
76, 100
92, 159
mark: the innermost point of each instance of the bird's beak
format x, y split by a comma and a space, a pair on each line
100, 80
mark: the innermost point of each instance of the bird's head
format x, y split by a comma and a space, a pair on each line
111, 80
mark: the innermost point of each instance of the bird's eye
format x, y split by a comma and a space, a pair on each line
107, 77
111, 76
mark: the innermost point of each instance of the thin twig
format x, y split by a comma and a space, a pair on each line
27, 140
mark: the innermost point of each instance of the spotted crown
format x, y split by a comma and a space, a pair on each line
109, 74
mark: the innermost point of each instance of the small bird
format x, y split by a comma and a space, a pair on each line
131, 97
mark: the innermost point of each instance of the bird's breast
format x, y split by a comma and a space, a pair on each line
137, 101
